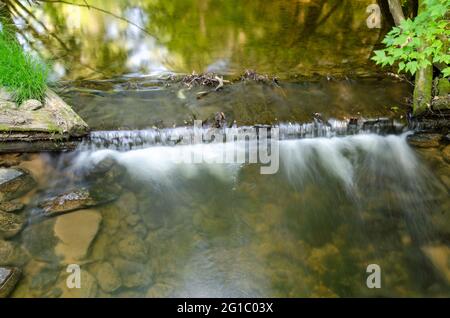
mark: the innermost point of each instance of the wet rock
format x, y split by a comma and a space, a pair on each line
159, 290
10, 224
31, 105
11, 206
89, 286
133, 248
439, 256
76, 231
12, 254
107, 169
424, 140
77, 199
133, 274
40, 241
446, 153
44, 279
9, 277
133, 219
14, 182
8, 160
441, 219
108, 277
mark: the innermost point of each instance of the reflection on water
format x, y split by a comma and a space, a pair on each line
287, 38
335, 206
117, 104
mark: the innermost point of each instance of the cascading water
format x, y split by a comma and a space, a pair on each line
340, 200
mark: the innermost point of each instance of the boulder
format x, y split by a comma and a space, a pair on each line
10, 224
14, 182
77, 199
107, 276
424, 140
9, 277
75, 232
31, 105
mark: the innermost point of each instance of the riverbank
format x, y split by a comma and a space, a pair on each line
38, 126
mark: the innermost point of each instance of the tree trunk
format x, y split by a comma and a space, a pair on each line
396, 10
423, 84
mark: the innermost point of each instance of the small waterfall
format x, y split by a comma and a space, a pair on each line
124, 140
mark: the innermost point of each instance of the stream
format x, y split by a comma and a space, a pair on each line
140, 223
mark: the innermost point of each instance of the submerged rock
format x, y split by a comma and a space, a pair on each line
14, 182
9, 159
10, 224
446, 153
12, 254
133, 274
159, 290
439, 256
9, 277
76, 232
107, 169
77, 199
133, 248
89, 286
107, 277
424, 140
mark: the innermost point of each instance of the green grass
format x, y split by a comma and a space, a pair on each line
21, 73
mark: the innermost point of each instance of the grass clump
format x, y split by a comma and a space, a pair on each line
20, 73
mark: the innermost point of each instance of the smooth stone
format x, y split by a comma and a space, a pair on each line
11, 206
40, 241
12, 254
133, 274
89, 286
133, 248
108, 277
31, 105
76, 231
159, 290
5, 95
76, 200
424, 140
14, 182
446, 153
439, 256
10, 224
9, 277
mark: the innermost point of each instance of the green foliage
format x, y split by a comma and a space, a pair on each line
20, 72
419, 42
